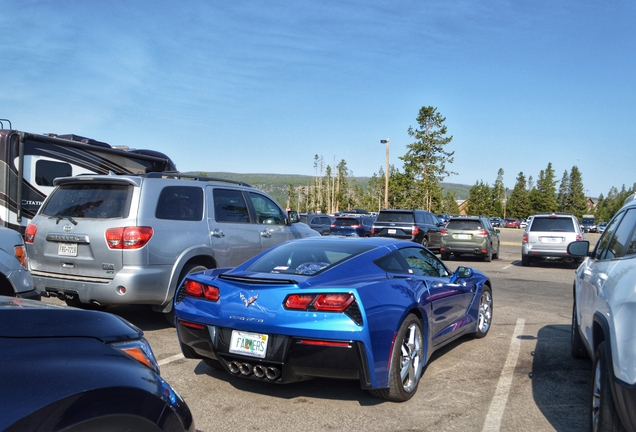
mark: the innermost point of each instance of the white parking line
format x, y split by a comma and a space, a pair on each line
498, 403
508, 266
170, 359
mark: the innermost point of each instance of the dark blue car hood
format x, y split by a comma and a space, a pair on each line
20, 318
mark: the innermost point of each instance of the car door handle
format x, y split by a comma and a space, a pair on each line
217, 233
266, 233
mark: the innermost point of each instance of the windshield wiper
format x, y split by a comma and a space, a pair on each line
59, 218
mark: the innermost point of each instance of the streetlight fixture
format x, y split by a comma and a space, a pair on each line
386, 174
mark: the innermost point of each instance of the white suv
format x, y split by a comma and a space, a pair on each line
604, 320
547, 236
106, 240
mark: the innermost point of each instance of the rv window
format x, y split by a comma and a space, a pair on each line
46, 171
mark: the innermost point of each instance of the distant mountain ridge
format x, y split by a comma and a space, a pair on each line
277, 184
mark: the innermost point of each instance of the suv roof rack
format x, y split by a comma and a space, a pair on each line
177, 175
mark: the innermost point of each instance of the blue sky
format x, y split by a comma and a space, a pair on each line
263, 86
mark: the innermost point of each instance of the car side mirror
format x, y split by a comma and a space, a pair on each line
462, 273
579, 248
292, 216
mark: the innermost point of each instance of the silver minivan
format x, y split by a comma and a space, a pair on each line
105, 240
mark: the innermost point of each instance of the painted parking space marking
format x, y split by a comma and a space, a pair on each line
498, 403
170, 359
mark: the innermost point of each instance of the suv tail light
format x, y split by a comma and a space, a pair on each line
444, 231
29, 234
128, 237
482, 233
579, 237
416, 230
525, 237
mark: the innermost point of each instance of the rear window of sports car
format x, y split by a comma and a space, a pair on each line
307, 258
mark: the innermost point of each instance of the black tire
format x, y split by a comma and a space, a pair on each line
603, 415
444, 256
495, 255
488, 256
406, 369
425, 242
525, 261
213, 363
577, 348
484, 317
187, 269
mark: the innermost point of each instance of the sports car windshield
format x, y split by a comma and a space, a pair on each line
307, 259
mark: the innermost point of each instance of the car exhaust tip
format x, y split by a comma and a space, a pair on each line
245, 368
272, 373
259, 371
234, 367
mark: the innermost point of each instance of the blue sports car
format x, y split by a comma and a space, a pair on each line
370, 309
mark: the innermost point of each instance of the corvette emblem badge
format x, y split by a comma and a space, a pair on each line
247, 302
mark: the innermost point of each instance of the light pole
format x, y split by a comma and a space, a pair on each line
386, 174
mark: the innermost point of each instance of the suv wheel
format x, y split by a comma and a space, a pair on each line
488, 256
525, 261
603, 415
425, 242
576, 342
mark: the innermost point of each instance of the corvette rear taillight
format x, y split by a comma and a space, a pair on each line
198, 289
337, 302
128, 237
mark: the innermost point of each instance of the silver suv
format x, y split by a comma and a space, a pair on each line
604, 323
547, 236
15, 280
105, 240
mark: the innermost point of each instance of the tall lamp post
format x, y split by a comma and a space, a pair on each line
386, 174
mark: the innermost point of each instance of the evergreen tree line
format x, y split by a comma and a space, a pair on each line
417, 185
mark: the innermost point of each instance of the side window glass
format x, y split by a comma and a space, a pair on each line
601, 247
393, 263
620, 242
267, 212
46, 171
230, 206
180, 203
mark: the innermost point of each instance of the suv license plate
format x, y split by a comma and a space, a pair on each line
250, 344
67, 249
391, 231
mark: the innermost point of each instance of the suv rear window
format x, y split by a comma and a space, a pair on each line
389, 216
552, 224
98, 201
466, 225
346, 222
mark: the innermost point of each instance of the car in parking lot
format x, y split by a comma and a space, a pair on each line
66, 369
352, 226
321, 223
470, 235
496, 222
419, 226
604, 323
15, 279
511, 223
102, 240
547, 237
367, 309
601, 227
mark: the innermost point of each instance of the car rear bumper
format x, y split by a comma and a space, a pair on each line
473, 248
131, 285
288, 359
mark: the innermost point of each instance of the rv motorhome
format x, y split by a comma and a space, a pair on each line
29, 163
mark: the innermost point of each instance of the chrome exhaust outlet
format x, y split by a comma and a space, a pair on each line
259, 371
245, 368
234, 367
272, 373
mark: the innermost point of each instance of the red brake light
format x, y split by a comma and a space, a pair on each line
416, 229
355, 226
482, 233
29, 234
579, 237
444, 231
198, 289
333, 302
299, 301
525, 237
128, 237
